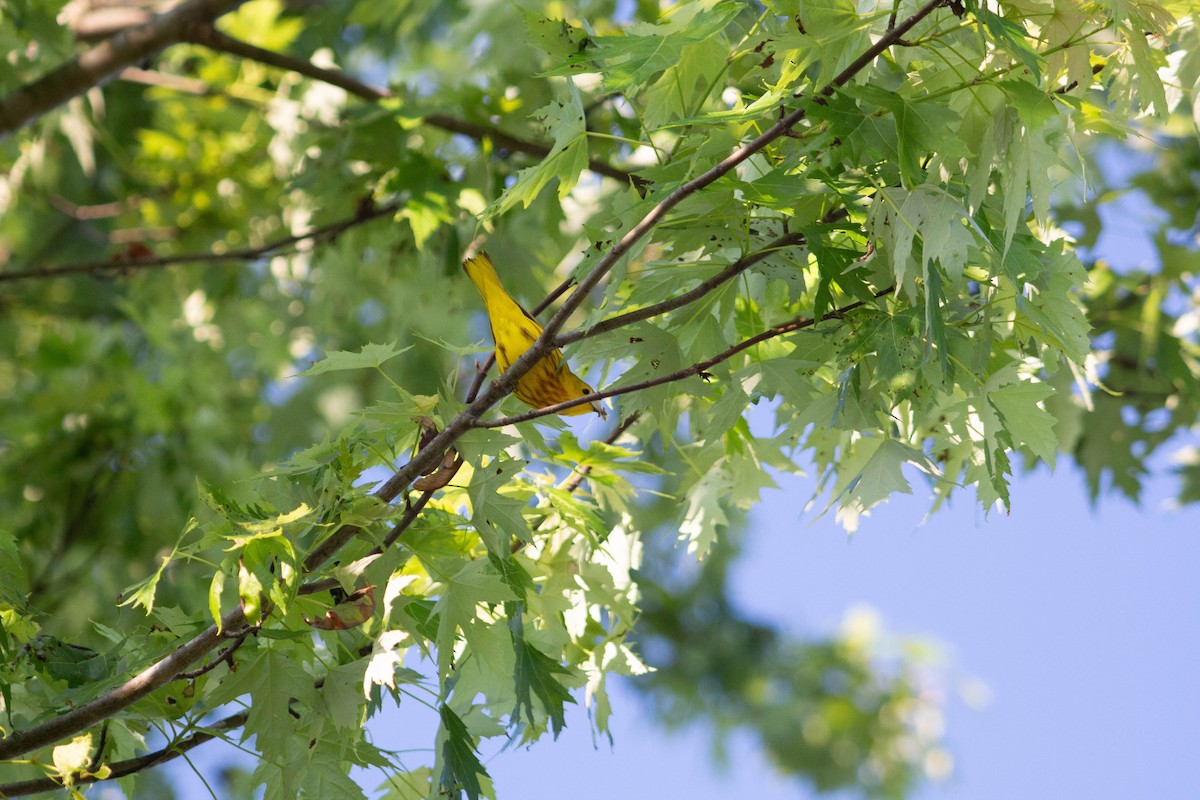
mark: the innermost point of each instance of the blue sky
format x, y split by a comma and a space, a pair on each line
1081, 622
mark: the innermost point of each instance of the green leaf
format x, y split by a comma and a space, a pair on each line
341, 695
72, 757
13, 581
704, 514
558, 38
881, 476
1010, 36
515, 576
473, 587
1026, 421
142, 593
407, 785
73, 664
215, 588
1034, 105
275, 681
534, 676
370, 356
498, 517
566, 124
930, 216
630, 61
921, 129
461, 767
684, 85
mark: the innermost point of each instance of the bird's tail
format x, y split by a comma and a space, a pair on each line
482, 273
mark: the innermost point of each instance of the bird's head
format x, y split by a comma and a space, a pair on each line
577, 388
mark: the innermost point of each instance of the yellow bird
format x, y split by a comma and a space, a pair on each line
550, 381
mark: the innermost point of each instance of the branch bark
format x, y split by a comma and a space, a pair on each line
92, 67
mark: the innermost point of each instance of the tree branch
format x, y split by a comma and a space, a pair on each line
504, 385
479, 131
796, 324
577, 477
547, 341
223, 657
621, 320
414, 511
162, 672
213, 39
158, 674
120, 769
321, 234
681, 300
652, 218
92, 67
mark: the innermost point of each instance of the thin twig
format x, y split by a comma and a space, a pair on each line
178, 83
120, 769
684, 298
703, 288
213, 39
507, 141
699, 368
481, 371
223, 657
414, 511
575, 480
577, 477
129, 264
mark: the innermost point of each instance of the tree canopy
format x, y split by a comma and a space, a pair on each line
259, 476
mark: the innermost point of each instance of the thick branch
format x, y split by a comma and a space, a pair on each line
94, 66
323, 233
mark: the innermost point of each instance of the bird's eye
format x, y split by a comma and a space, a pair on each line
586, 391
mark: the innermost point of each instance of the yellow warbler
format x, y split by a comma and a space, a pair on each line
550, 380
